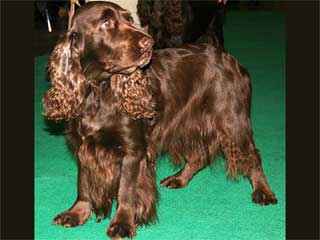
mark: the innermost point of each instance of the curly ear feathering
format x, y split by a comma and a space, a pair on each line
64, 100
134, 95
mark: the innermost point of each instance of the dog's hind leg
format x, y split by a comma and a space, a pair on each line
195, 161
242, 156
181, 179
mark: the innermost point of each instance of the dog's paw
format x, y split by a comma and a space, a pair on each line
69, 219
121, 230
173, 182
263, 198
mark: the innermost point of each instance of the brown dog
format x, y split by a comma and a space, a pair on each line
192, 102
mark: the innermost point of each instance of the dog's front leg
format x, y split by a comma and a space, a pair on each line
123, 223
81, 210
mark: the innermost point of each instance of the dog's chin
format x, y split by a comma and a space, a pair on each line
142, 61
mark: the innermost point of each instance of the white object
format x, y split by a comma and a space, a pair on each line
130, 5
48, 21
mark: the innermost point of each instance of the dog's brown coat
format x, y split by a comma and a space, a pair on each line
200, 96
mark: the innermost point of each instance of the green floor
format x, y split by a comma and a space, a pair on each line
211, 207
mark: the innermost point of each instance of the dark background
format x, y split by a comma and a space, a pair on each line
44, 41
17, 51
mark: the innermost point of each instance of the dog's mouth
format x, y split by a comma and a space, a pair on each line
142, 60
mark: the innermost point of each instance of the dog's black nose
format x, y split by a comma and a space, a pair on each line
146, 43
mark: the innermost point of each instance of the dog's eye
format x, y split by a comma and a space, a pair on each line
127, 17
107, 24
130, 19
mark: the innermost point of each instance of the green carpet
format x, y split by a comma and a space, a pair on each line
211, 207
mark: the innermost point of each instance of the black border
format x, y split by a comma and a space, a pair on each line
17, 115
302, 83
17, 131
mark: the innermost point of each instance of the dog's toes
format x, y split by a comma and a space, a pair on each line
67, 219
120, 230
173, 182
72, 218
263, 198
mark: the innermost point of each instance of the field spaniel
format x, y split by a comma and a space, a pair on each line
124, 105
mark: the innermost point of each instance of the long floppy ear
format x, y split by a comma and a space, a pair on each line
134, 95
63, 101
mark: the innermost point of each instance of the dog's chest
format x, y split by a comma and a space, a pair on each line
99, 114
99, 122
102, 135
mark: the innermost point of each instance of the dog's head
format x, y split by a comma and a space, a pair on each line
102, 32
105, 33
